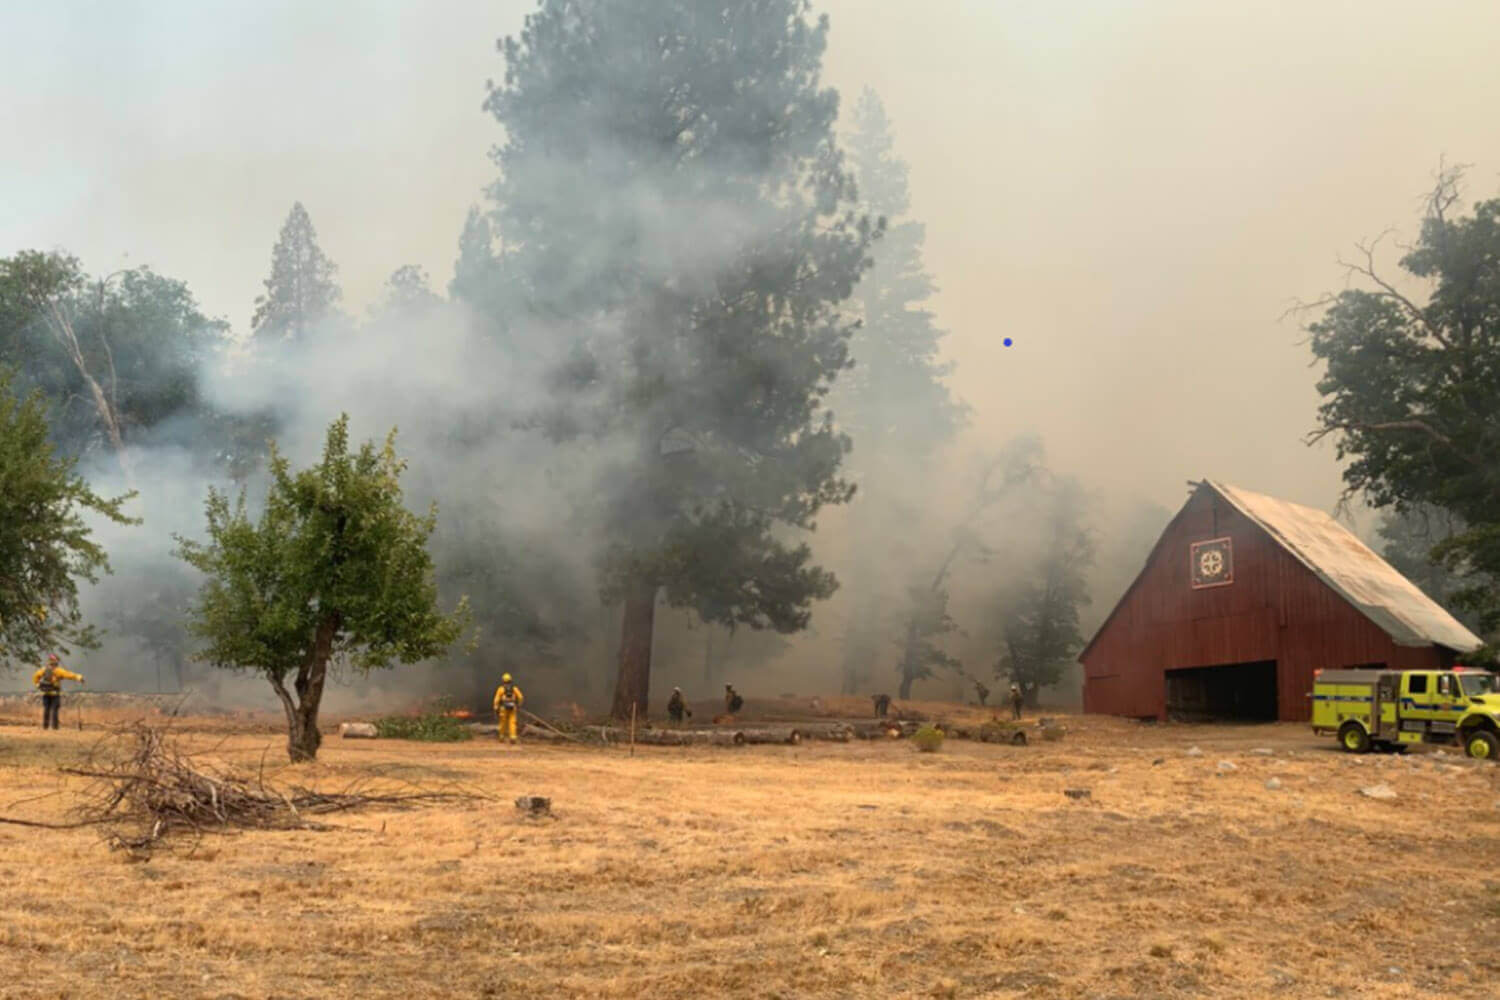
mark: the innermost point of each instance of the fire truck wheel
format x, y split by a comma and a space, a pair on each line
1353, 738
1482, 744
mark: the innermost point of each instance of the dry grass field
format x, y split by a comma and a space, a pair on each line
825, 870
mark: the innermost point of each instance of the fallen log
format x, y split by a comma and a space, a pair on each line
789, 735
836, 733
891, 729
674, 737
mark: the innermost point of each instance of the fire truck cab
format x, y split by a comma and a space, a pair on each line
1393, 708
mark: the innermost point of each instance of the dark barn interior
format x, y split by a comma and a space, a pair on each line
1239, 692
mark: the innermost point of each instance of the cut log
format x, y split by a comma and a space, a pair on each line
675, 737
358, 731
777, 735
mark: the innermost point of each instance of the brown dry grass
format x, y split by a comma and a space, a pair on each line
825, 870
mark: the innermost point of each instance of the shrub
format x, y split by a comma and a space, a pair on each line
432, 728
928, 738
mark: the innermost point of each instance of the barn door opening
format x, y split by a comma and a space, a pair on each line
1239, 692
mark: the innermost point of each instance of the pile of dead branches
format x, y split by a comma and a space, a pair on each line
144, 788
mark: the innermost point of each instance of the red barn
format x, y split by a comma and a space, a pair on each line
1243, 597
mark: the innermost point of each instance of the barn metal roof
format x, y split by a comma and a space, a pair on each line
1353, 570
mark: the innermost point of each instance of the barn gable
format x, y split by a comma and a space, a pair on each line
1244, 586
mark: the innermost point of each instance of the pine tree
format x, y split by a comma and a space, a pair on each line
895, 403
301, 291
676, 211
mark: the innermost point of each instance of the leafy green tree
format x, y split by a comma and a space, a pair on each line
301, 291
894, 402
1410, 386
674, 208
46, 545
1040, 622
336, 567
115, 356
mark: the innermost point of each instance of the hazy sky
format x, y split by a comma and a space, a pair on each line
1134, 192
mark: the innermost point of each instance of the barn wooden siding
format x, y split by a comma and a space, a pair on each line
1276, 609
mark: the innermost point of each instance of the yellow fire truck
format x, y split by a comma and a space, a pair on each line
1392, 708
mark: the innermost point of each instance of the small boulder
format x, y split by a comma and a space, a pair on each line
1264, 752
1228, 765
358, 730
1194, 752
1273, 784
1385, 793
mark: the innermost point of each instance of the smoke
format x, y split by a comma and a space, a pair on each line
1136, 216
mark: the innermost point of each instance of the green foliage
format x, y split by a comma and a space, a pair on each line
928, 738
1410, 386
301, 291
1040, 621
136, 337
433, 727
334, 568
46, 545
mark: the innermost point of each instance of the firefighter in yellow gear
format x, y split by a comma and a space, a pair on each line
508, 700
48, 681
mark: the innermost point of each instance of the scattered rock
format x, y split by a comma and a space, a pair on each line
1158, 762
1384, 793
1078, 794
1228, 765
1273, 784
1264, 752
534, 805
1194, 752
358, 730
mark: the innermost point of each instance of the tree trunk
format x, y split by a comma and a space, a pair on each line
909, 664
633, 679
302, 737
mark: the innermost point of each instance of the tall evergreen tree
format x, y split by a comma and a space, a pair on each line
301, 290
675, 208
894, 403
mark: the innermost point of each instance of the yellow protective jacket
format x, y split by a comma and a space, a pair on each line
58, 674
508, 696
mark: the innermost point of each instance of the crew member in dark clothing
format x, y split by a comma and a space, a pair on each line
1016, 700
732, 700
980, 690
677, 708
882, 704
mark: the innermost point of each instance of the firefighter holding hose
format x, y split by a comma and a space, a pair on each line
508, 700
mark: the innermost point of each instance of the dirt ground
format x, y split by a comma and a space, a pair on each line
825, 870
